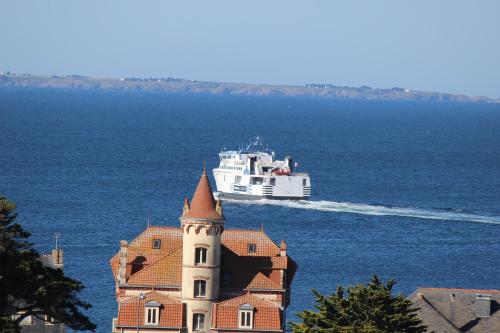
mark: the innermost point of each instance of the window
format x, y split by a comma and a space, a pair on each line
246, 316
198, 322
156, 243
237, 179
152, 313
49, 320
226, 279
200, 255
272, 181
256, 180
252, 247
151, 316
28, 320
304, 182
199, 288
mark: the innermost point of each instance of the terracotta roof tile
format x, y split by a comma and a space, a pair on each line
260, 281
158, 267
238, 241
131, 311
267, 316
171, 239
167, 271
203, 203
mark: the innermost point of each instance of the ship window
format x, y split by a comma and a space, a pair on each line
304, 182
252, 247
199, 288
200, 255
156, 243
237, 179
256, 181
272, 181
198, 322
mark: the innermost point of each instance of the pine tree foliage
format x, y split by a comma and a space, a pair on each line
367, 308
29, 288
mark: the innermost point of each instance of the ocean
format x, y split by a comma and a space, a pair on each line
404, 190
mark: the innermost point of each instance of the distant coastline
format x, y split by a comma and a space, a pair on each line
175, 85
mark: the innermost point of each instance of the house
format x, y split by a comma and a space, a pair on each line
43, 323
447, 310
200, 276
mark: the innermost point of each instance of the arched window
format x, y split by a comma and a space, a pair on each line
200, 256
199, 288
198, 322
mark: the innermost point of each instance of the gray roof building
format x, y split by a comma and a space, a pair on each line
445, 310
45, 324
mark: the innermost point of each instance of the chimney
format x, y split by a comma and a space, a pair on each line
122, 271
57, 258
185, 208
218, 207
283, 248
452, 307
483, 306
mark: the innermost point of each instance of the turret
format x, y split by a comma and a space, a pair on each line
202, 223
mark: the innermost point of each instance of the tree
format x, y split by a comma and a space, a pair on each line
367, 308
29, 288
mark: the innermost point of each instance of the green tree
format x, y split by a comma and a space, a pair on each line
367, 308
29, 288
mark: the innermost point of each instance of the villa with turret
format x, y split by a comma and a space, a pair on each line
201, 277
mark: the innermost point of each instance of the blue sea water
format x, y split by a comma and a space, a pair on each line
405, 190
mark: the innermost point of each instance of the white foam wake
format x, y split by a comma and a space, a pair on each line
375, 210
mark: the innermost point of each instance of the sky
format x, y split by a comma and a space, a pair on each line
445, 45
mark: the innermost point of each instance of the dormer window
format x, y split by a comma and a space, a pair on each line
252, 247
156, 244
246, 316
200, 256
152, 313
200, 288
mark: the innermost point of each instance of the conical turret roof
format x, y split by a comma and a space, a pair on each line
203, 204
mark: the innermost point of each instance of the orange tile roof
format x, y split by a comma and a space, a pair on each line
155, 267
267, 315
167, 271
203, 203
171, 239
238, 240
135, 260
260, 281
131, 311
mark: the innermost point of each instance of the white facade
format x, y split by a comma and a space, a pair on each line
200, 274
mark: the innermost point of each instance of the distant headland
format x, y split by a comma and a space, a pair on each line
176, 85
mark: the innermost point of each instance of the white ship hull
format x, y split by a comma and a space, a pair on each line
253, 173
293, 187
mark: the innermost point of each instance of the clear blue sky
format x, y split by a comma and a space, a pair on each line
439, 45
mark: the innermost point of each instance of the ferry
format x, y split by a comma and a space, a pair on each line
252, 172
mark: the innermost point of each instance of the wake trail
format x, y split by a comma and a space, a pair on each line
374, 210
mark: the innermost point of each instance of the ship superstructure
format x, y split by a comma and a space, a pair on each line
253, 172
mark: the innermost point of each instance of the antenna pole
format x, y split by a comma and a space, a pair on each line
57, 235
